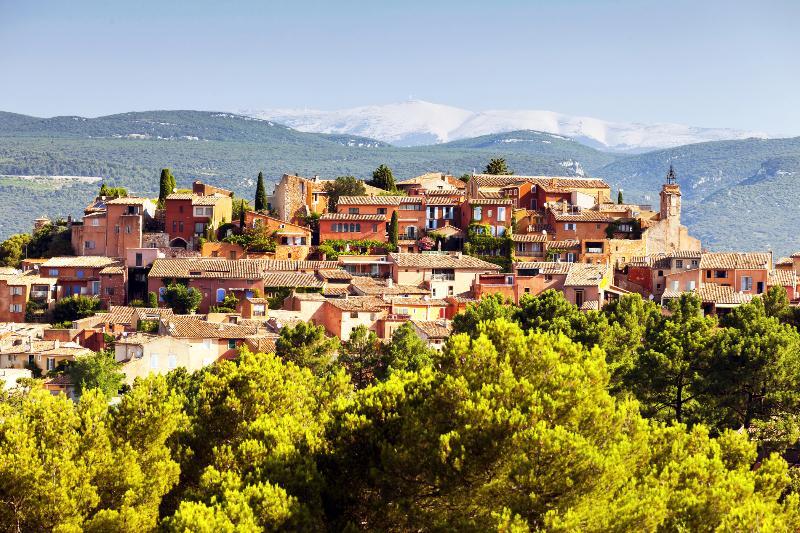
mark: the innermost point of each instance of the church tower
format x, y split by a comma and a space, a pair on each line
671, 198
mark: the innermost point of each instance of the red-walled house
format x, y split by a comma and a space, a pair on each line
352, 226
494, 212
745, 272
189, 214
214, 278
786, 279
76, 275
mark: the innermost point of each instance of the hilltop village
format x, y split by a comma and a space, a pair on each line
197, 275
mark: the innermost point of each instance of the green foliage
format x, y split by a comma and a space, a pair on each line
13, 249
86, 466
228, 305
361, 356
307, 345
166, 185
111, 193
240, 208
491, 307
152, 300
394, 230
147, 326
498, 166
383, 178
333, 248
75, 308
50, 240
97, 371
343, 186
619, 197
182, 299
261, 194
407, 351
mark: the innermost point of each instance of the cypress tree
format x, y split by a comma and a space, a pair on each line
166, 184
619, 197
241, 214
394, 229
261, 194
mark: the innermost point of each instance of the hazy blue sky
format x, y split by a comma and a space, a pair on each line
710, 63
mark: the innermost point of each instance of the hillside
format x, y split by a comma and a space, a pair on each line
722, 181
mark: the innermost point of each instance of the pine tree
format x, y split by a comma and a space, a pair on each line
619, 197
383, 179
261, 194
394, 229
498, 167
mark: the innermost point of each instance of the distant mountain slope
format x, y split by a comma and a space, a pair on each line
417, 122
737, 194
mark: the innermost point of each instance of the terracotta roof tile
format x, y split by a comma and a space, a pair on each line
782, 278
87, 261
562, 182
372, 200
437, 260
490, 201
434, 329
544, 267
353, 216
335, 274
586, 215
195, 328
738, 260
529, 237
585, 275
250, 269
359, 303
292, 279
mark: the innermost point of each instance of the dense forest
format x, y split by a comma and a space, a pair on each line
532, 417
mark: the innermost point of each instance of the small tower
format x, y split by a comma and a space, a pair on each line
671, 198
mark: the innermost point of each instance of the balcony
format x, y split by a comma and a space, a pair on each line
443, 277
40, 295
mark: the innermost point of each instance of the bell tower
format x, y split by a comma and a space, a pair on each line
671, 198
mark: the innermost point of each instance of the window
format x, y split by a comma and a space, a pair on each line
691, 285
695, 263
411, 232
127, 228
660, 273
15, 291
180, 209
374, 228
51, 363
509, 280
411, 207
501, 214
570, 257
203, 211
501, 230
534, 204
110, 291
154, 361
679, 263
548, 277
579, 297
199, 228
476, 212
433, 212
53, 272
721, 274
708, 273
174, 225
354, 314
79, 274
675, 285
622, 227
180, 226
15, 308
231, 344
352, 210
447, 213
88, 245
116, 229
450, 290
569, 226
381, 210
172, 361
139, 259
94, 287
95, 222
747, 283
220, 295
161, 291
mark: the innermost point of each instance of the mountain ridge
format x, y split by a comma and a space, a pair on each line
417, 122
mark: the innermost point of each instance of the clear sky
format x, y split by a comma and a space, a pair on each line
708, 63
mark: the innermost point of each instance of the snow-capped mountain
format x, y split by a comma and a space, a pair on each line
417, 122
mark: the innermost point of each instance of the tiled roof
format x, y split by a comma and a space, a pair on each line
784, 261
584, 275
118, 314
529, 237
8, 271
351, 216
796, 254
561, 182
782, 278
60, 380
261, 343
336, 290
738, 260
208, 268
129, 200
371, 200
566, 244
292, 279
138, 339
86, 261
370, 286
291, 264
586, 215
197, 199
113, 269
490, 201
195, 328
434, 329
544, 267
359, 303
448, 231
492, 195
435, 260
442, 200
335, 274
433, 176
720, 294
590, 305
28, 279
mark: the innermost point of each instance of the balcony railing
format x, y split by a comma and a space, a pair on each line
40, 295
443, 277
